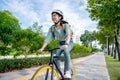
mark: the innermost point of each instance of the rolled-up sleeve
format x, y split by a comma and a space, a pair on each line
49, 36
67, 28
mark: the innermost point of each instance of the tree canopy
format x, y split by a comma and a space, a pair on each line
8, 25
107, 13
87, 38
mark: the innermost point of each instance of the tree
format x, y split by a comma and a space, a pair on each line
107, 13
37, 28
8, 25
102, 33
87, 38
27, 42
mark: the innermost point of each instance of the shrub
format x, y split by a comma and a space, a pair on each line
95, 50
81, 49
53, 44
16, 64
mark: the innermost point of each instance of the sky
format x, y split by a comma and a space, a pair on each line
30, 11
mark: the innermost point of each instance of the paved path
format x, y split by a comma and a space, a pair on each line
88, 68
93, 68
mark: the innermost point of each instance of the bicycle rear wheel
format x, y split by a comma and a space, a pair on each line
42, 73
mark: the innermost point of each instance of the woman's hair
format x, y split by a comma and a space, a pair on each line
63, 22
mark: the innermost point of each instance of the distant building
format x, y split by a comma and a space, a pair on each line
76, 39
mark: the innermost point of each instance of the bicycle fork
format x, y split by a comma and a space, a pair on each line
46, 76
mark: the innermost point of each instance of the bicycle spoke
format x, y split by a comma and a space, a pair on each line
46, 75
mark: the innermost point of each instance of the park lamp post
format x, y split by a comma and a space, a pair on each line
107, 44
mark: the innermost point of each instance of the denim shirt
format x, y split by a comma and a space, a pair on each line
61, 36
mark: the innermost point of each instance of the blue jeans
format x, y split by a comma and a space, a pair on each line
67, 58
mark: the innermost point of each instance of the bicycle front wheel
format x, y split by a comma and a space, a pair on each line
44, 73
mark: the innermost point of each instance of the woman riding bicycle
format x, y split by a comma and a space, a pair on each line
65, 41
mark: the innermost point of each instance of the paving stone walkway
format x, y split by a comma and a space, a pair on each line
93, 68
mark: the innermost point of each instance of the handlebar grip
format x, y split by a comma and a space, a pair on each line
51, 49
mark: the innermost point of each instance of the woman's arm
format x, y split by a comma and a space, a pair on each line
67, 39
49, 37
68, 33
43, 47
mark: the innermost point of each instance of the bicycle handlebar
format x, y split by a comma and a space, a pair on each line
51, 49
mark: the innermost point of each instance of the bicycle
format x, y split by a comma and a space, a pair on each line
48, 72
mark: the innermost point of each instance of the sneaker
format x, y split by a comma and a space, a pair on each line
68, 74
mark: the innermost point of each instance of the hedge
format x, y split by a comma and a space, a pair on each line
16, 64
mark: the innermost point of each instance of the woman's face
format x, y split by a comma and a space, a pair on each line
55, 17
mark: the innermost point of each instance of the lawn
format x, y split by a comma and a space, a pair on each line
113, 66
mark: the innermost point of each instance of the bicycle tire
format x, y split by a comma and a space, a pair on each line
40, 75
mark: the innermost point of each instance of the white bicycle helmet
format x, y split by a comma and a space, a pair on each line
58, 11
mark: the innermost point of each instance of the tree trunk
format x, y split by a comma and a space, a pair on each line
90, 44
114, 56
112, 48
117, 45
108, 47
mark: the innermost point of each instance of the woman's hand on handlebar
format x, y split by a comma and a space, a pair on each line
40, 50
64, 47
43, 47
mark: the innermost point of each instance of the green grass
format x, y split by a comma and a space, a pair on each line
113, 66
